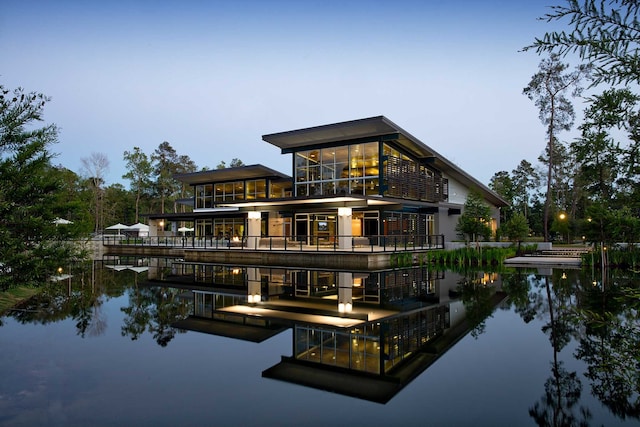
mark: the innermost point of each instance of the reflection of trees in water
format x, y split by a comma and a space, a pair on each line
611, 344
563, 388
562, 392
517, 286
78, 297
604, 321
81, 298
154, 310
477, 298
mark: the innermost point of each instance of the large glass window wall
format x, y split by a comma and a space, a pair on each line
220, 228
229, 191
352, 169
204, 196
208, 195
257, 189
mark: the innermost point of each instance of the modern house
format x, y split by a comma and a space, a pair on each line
354, 182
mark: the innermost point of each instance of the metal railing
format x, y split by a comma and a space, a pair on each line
350, 243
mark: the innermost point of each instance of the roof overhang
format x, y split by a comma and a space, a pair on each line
231, 174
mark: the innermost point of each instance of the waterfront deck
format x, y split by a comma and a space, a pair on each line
302, 244
360, 255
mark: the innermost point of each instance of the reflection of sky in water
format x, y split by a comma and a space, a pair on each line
52, 376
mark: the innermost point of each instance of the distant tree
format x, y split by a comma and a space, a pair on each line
549, 88
502, 183
94, 169
70, 202
516, 229
603, 33
235, 163
165, 161
139, 170
118, 204
605, 162
32, 246
185, 165
563, 182
525, 180
476, 217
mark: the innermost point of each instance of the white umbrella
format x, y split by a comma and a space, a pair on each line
118, 267
61, 221
139, 226
118, 227
184, 229
142, 229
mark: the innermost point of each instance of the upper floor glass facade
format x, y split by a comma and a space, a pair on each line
349, 169
360, 169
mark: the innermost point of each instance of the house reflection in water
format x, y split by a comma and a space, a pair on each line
361, 334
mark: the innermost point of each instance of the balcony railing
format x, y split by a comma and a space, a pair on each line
377, 243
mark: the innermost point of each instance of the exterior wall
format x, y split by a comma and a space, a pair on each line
457, 192
446, 224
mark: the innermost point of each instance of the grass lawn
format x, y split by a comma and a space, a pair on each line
12, 297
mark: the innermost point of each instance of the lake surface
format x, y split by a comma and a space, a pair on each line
521, 348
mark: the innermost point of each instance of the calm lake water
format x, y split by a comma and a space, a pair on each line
110, 347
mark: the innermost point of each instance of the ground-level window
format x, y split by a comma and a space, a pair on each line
221, 228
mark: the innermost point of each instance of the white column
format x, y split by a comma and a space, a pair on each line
154, 264
345, 292
253, 229
344, 228
154, 226
253, 285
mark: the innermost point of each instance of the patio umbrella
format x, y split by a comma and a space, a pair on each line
62, 221
142, 229
184, 229
118, 227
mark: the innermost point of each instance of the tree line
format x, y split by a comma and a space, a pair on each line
587, 188
152, 186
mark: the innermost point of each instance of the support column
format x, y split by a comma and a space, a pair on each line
253, 229
254, 292
154, 226
345, 292
344, 228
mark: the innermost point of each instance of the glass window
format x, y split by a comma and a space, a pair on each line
328, 169
228, 191
251, 190
302, 190
341, 162
356, 163
239, 190
357, 186
301, 166
219, 193
261, 189
371, 159
371, 187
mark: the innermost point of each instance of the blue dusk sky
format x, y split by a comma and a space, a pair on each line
212, 77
